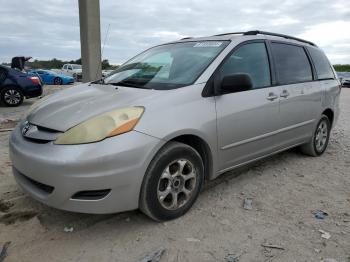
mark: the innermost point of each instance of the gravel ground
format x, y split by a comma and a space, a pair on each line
286, 190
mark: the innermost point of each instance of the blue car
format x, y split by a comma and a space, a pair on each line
15, 85
52, 78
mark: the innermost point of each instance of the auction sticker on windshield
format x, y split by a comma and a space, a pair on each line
208, 44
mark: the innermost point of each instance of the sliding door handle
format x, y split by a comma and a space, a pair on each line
272, 96
284, 94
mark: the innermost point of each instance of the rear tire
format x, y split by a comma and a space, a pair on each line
172, 182
11, 96
319, 141
58, 81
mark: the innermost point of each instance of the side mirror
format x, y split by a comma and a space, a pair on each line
236, 83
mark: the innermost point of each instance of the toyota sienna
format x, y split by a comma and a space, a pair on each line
150, 134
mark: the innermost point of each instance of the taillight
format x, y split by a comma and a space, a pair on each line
35, 80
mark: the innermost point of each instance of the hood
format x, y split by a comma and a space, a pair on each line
74, 105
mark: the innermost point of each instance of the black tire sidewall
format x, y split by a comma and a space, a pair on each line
171, 153
323, 118
2, 96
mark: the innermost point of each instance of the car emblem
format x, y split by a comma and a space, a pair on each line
26, 128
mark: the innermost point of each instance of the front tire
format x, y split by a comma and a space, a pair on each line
172, 182
319, 141
58, 81
11, 96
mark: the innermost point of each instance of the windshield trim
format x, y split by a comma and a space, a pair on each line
228, 41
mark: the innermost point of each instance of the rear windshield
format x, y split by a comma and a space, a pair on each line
168, 66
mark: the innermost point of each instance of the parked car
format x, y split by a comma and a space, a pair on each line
346, 82
150, 134
52, 78
344, 78
15, 85
72, 70
106, 73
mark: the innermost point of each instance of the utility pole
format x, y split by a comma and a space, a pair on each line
90, 39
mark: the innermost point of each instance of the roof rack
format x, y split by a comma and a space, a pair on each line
234, 33
256, 32
185, 38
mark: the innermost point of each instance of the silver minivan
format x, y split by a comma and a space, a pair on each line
149, 135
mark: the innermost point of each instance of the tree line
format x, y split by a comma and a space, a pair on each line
342, 68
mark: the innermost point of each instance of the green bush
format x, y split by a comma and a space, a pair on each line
342, 68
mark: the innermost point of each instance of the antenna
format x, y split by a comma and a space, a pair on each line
103, 48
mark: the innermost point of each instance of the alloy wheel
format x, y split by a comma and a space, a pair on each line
321, 136
12, 97
58, 81
176, 184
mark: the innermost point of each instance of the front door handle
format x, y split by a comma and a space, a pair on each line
272, 96
284, 94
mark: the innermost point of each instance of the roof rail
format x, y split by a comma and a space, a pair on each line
256, 32
234, 33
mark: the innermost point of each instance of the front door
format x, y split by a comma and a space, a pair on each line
247, 120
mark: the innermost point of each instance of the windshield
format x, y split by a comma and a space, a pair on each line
76, 66
167, 66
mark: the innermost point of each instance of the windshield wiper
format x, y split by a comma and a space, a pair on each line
128, 84
100, 82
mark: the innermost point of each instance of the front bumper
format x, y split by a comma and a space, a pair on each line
118, 163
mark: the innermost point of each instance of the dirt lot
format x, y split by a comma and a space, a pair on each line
286, 190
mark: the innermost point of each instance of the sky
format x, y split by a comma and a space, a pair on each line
50, 29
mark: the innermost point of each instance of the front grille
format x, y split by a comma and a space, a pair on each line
91, 194
40, 186
38, 134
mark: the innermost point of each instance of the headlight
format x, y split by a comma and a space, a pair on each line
100, 127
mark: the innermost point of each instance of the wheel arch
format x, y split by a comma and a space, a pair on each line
13, 85
202, 147
330, 114
57, 77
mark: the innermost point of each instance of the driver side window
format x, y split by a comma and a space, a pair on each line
251, 59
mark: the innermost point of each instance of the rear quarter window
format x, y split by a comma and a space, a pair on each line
321, 63
292, 64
